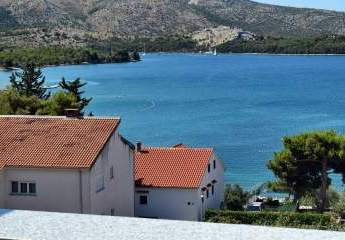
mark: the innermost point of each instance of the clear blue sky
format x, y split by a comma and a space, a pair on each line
338, 5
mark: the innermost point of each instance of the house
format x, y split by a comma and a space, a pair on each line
177, 182
66, 164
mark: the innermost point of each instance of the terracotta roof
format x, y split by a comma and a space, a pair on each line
171, 167
53, 142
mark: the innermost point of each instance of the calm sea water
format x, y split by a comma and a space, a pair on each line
240, 104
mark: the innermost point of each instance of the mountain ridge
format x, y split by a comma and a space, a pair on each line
104, 19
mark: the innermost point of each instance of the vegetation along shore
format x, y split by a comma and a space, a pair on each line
127, 50
17, 57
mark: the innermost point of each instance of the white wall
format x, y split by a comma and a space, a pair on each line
118, 193
57, 190
167, 203
2, 189
172, 203
74, 190
213, 201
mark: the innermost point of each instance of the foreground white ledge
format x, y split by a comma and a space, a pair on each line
52, 226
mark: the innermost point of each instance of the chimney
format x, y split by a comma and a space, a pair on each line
72, 113
139, 146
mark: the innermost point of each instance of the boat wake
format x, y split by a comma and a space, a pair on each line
148, 105
152, 106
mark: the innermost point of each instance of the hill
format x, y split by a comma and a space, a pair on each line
77, 22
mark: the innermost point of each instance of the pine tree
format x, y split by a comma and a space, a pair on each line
29, 82
73, 87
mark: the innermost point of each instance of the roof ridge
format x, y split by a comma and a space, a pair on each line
61, 117
175, 148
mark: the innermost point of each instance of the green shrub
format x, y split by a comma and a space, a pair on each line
339, 207
283, 219
235, 197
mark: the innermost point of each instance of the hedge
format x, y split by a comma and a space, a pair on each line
282, 219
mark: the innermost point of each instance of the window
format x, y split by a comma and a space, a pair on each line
14, 186
214, 164
111, 172
32, 188
209, 167
143, 200
112, 212
212, 189
23, 188
99, 184
207, 193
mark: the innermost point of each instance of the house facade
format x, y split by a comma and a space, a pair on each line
177, 183
63, 164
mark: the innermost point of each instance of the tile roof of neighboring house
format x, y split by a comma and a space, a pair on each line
174, 167
53, 142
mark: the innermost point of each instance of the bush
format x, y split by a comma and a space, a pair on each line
235, 197
269, 202
282, 219
339, 207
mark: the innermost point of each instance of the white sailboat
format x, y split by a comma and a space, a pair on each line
144, 50
215, 52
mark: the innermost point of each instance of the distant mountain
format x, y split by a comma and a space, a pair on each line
101, 19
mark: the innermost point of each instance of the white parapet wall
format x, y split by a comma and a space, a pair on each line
16, 224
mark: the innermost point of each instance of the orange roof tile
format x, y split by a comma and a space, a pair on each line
171, 167
53, 142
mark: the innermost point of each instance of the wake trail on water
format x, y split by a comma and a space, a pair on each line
152, 106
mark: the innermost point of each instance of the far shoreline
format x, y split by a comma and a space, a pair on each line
15, 68
247, 53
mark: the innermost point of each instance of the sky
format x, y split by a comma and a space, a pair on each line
338, 5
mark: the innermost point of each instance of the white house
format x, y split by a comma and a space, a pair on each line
61, 164
178, 182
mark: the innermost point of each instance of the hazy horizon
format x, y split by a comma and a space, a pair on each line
338, 5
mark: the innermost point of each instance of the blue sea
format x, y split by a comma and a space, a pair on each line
242, 105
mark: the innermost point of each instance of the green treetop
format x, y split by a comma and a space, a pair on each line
29, 82
306, 161
74, 88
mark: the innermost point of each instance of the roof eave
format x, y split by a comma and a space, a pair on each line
106, 142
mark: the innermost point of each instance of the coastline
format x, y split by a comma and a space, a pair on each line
11, 69
247, 53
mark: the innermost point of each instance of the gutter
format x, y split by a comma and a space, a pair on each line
81, 192
127, 142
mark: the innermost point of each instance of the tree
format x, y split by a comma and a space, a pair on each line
73, 87
304, 164
235, 197
57, 104
11, 102
29, 82
135, 56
